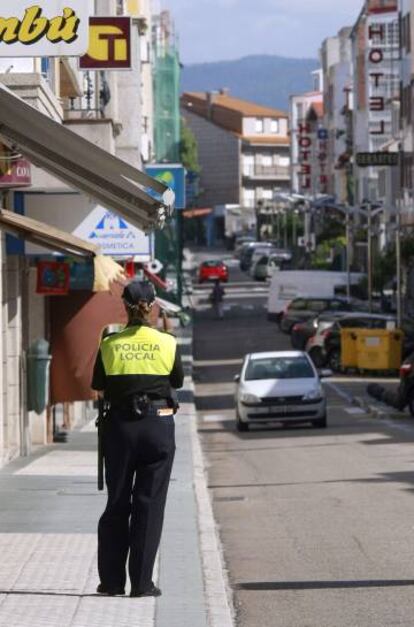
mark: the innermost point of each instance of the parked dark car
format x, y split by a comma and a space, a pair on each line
304, 309
406, 389
402, 396
331, 347
240, 242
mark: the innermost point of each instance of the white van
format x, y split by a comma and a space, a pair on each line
289, 284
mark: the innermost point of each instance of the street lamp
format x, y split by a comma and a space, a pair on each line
259, 206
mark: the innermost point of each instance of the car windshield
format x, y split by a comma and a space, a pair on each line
279, 368
212, 264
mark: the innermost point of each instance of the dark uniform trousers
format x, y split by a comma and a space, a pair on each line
139, 455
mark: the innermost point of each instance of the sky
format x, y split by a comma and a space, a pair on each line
216, 30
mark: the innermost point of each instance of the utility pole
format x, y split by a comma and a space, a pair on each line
398, 260
258, 208
348, 253
370, 256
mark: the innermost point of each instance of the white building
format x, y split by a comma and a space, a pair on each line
336, 61
300, 105
376, 77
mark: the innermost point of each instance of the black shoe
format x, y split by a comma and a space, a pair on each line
108, 591
151, 592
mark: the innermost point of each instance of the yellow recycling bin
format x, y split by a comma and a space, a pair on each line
379, 349
349, 348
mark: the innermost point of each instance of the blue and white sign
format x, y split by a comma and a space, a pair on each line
113, 235
173, 175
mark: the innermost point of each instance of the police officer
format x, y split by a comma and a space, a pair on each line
137, 371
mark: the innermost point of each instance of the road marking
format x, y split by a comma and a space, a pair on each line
217, 418
347, 397
355, 411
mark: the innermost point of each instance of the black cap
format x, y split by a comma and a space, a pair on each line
137, 291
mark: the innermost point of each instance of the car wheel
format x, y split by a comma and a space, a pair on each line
241, 426
317, 357
321, 423
334, 360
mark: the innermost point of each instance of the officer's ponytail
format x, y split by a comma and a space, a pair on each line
139, 312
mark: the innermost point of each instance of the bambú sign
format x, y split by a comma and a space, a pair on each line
52, 28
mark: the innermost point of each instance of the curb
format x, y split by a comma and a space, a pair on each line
218, 593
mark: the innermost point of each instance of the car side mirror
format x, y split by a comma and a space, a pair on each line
325, 373
237, 378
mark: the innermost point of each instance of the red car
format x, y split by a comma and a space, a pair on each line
213, 270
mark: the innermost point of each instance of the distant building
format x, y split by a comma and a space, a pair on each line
244, 150
336, 58
302, 148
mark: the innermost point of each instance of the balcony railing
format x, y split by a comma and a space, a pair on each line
267, 171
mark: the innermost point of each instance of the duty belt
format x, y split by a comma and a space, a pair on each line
142, 405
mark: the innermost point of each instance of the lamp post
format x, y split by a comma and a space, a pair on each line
348, 254
369, 260
259, 206
398, 261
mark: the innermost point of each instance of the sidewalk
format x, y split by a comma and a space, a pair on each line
48, 518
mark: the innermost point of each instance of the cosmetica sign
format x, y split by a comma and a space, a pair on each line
51, 28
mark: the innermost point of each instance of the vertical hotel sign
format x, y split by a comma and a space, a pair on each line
378, 77
313, 149
51, 28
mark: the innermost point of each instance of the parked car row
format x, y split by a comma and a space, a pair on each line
320, 335
262, 259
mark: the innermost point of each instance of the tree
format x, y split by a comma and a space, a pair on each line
188, 148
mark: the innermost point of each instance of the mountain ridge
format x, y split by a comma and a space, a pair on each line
268, 80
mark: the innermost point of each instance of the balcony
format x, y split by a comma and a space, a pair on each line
267, 172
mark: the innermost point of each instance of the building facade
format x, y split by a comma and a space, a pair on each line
336, 58
244, 150
376, 78
114, 111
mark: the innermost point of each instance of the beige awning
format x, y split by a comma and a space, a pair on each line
118, 186
45, 235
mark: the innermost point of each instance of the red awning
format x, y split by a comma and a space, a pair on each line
155, 279
196, 213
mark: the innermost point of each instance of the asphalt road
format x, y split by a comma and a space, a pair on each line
317, 526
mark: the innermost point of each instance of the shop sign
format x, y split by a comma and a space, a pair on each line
14, 170
53, 278
51, 28
173, 175
113, 235
381, 159
109, 44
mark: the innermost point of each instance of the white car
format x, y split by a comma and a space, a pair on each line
279, 387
